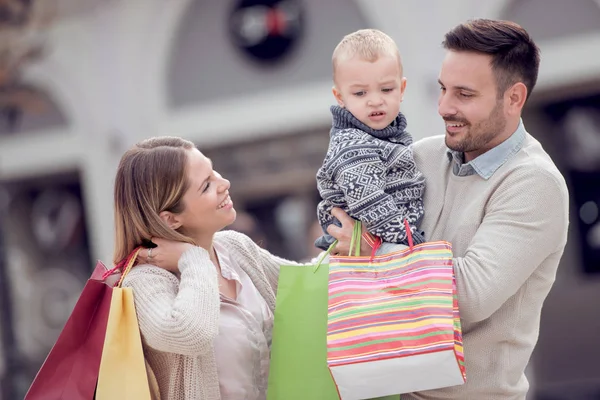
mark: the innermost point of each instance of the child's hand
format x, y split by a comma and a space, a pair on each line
344, 234
165, 255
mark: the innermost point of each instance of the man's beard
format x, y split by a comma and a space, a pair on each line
479, 135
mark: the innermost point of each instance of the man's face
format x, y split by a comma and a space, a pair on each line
469, 104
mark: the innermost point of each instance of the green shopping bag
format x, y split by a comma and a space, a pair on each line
298, 369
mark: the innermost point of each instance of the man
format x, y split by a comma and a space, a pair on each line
494, 193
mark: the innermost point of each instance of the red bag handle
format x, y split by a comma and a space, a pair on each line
377, 240
124, 265
408, 235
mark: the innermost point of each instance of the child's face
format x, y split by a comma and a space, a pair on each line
371, 91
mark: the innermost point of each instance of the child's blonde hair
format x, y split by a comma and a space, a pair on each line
366, 44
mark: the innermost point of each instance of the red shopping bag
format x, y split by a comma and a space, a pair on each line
70, 372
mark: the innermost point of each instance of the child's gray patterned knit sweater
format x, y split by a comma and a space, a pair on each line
371, 174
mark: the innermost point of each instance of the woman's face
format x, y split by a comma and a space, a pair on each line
207, 205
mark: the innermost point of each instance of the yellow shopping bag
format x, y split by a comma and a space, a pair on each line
123, 373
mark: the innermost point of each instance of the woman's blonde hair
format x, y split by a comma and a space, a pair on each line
151, 178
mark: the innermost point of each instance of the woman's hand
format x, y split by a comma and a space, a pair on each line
165, 255
344, 234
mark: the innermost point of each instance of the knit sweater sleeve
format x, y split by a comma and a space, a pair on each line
525, 222
178, 316
362, 179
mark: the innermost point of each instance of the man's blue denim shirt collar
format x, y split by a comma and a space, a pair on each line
486, 164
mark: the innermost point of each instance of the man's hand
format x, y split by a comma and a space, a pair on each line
344, 234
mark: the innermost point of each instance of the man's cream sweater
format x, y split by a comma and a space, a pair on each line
508, 234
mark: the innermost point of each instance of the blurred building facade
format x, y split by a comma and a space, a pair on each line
249, 81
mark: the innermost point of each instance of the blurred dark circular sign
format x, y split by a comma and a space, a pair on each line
266, 30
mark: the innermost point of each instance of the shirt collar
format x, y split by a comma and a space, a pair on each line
226, 265
486, 164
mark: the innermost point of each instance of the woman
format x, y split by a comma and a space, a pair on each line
204, 297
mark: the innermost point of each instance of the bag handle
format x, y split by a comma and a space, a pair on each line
354, 242
409, 237
356, 238
125, 266
130, 262
325, 254
376, 241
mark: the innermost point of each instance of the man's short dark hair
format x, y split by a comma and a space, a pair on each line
515, 56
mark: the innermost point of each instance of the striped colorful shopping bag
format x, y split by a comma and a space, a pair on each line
393, 322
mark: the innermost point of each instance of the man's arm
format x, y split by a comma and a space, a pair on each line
525, 222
